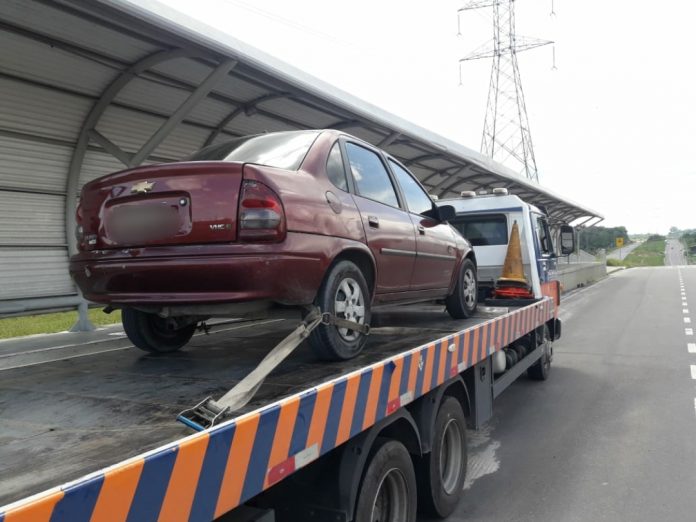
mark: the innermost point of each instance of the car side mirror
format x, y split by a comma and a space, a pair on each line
445, 213
567, 240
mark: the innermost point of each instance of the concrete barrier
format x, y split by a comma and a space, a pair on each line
574, 275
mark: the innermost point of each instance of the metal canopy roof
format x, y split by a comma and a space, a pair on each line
88, 87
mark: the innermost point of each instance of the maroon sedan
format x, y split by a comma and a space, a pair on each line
290, 218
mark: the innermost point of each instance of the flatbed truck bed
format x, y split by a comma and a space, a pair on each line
64, 421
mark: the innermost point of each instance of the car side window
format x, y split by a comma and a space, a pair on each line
371, 177
335, 169
418, 201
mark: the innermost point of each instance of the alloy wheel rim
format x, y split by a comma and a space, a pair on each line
349, 304
469, 288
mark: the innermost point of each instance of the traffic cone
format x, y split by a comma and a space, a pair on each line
512, 284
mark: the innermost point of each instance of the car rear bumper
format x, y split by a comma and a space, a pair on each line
287, 273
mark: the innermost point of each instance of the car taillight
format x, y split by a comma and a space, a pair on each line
79, 228
84, 241
261, 214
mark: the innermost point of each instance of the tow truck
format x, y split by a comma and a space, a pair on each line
374, 438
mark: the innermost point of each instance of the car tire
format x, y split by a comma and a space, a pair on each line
463, 301
388, 488
345, 294
151, 333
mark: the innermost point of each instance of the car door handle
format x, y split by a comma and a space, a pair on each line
421, 229
373, 221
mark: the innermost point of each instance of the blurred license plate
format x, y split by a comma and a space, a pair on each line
144, 222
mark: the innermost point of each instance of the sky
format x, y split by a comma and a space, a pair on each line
613, 126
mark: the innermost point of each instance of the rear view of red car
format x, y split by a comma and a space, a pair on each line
293, 218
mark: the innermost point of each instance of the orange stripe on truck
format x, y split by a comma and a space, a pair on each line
352, 386
38, 511
320, 415
373, 396
283, 435
184, 479
237, 464
117, 491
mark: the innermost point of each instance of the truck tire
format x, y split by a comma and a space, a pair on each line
345, 294
388, 488
463, 301
441, 473
540, 370
151, 333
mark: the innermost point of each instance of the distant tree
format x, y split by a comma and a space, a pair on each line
688, 237
656, 237
596, 238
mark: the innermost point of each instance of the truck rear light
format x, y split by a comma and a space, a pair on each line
261, 214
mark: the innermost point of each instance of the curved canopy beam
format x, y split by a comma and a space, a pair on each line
88, 130
248, 108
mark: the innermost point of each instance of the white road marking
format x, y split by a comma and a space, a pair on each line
689, 331
685, 310
687, 320
693, 371
691, 347
694, 404
60, 347
66, 358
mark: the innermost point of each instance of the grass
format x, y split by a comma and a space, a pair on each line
650, 253
52, 323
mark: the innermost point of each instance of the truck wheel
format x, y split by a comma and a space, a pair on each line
152, 333
462, 303
539, 371
441, 472
345, 294
388, 489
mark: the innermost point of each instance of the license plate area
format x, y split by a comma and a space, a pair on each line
148, 220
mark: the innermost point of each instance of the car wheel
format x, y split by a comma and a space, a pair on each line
153, 333
463, 301
344, 293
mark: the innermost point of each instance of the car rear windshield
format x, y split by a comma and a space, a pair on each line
483, 230
283, 150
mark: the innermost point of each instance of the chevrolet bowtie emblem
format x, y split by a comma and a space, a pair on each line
142, 187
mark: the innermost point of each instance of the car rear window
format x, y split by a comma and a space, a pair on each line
483, 230
283, 150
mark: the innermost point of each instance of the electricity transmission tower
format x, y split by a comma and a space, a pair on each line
506, 135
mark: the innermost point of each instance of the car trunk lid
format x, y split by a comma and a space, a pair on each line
169, 204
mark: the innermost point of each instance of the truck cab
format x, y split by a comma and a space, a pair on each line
486, 220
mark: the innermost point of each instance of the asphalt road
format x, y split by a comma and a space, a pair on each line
612, 434
674, 253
